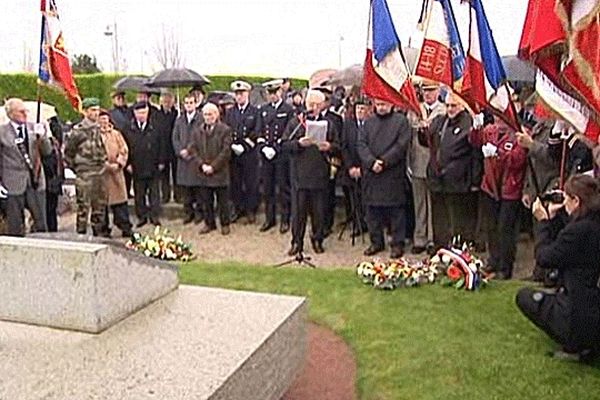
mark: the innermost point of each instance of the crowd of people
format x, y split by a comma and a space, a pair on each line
448, 176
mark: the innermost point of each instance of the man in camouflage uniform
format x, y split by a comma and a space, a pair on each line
86, 155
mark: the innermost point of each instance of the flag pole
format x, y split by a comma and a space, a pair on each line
39, 85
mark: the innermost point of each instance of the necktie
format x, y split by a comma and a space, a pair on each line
21, 132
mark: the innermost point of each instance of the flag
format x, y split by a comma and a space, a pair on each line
386, 75
485, 83
566, 107
563, 31
55, 66
582, 68
441, 58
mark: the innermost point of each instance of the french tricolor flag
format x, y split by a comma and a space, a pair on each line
485, 79
386, 75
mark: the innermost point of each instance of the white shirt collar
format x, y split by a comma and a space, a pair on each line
190, 116
278, 103
243, 108
16, 125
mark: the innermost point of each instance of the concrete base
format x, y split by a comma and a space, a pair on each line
79, 286
195, 343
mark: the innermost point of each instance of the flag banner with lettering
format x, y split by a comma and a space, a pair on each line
55, 66
441, 58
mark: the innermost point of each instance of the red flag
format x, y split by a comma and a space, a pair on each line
55, 66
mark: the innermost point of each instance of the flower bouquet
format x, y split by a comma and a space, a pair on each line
461, 268
396, 273
162, 246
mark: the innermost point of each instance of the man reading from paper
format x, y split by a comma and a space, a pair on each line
311, 141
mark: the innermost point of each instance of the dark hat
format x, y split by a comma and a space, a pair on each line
90, 102
362, 100
104, 112
239, 85
117, 93
198, 88
273, 85
140, 105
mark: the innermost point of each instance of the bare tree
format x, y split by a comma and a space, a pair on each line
28, 65
167, 50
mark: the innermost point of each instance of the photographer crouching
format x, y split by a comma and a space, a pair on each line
568, 240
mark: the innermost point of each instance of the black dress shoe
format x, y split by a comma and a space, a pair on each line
198, 219
225, 230
431, 250
317, 246
188, 220
207, 229
127, 234
397, 252
372, 250
141, 223
417, 249
266, 226
284, 228
294, 250
155, 221
251, 219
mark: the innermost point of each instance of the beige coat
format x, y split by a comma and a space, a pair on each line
117, 153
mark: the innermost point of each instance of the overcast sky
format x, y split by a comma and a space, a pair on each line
251, 37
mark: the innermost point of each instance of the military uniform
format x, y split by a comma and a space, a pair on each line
86, 155
245, 161
272, 121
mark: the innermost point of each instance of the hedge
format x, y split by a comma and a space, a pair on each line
95, 85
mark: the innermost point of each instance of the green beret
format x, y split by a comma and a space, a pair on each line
90, 102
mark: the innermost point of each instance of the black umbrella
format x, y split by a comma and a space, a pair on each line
136, 84
518, 70
177, 77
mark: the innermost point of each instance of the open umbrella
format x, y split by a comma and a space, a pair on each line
136, 84
321, 77
350, 76
518, 70
177, 77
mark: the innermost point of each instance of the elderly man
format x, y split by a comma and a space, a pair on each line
418, 160
22, 180
147, 158
86, 155
273, 119
120, 114
451, 173
309, 172
383, 147
243, 118
211, 148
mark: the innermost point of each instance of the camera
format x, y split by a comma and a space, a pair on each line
553, 197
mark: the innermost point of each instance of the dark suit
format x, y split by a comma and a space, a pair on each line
337, 123
25, 184
165, 122
309, 171
385, 138
244, 168
147, 152
452, 173
351, 159
276, 172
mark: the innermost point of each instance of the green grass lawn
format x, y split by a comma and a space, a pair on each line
423, 343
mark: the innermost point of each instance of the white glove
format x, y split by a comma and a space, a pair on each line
250, 142
269, 152
238, 149
489, 150
3, 192
478, 121
261, 140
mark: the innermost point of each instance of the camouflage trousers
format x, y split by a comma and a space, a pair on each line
91, 198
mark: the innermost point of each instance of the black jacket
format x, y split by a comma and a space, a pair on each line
147, 149
454, 165
272, 123
385, 138
574, 249
244, 125
164, 121
121, 117
309, 167
349, 147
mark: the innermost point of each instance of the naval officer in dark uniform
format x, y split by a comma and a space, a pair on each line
243, 119
273, 119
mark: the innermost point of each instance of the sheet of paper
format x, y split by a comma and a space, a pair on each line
317, 130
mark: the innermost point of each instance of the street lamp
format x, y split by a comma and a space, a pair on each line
341, 39
111, 32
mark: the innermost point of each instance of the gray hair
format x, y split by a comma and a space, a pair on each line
210, 107
316, 94
11, 104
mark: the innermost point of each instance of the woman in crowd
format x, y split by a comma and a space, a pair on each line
117, 154
569, 240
